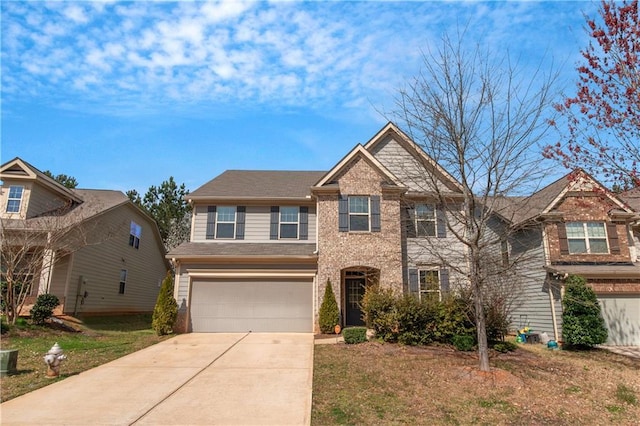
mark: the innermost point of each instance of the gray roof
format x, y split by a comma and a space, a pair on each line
189, 250
259, 184
632, 198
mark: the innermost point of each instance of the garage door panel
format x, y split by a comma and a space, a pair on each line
622, 317
254, 305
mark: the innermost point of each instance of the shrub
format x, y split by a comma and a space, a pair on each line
329, 315
582, 322
452, 319
496, 319
4, 327
414, 318
378, 307
463, 343
43, 308
505, 346
354, 335
165, 312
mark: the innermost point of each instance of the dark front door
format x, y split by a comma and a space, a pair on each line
354, 290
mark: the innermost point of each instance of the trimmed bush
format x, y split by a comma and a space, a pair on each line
42, 310
452, 319
582, 322
379, 309
165, 312
505, 346
353, 335
329, 315
464, 343
414, 318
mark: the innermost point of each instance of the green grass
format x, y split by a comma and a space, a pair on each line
101, 340
626, 394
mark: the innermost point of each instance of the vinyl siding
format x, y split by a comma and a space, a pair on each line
257, 223
59, 277
100, 264
42, 200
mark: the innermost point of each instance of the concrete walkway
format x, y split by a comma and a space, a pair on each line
191, 379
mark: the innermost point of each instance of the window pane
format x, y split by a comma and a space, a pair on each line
426, 228
13, 206
225, 230
288, 230
226, 214
15, 192
429, 281
598, 245
359, 205
596, 230
358, 223
575, 229
577, 246
425, 211
289, 214
123, 275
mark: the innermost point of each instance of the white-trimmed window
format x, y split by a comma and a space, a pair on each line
289, 221
425, 217
123, 281
358, 213
587, 237
14, 199
135, 233
226, 222
429, 282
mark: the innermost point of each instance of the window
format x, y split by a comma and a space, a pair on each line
587, 237
123, 281
429, 281
359, 213
425, 216
135, 233
14, 199
504, 250
226, 222
289, 222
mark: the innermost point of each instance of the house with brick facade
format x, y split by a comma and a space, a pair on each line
264, 244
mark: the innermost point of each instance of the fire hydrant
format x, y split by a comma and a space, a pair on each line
53, 358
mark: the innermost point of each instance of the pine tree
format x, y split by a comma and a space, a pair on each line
165, 312
582, 322
329, 315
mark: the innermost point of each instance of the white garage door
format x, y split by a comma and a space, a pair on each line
235, 306
622, 316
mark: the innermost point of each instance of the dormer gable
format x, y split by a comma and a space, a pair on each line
27, 192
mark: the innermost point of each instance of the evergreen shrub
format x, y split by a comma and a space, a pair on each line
42, 310
329, 315
582, 322
165, 312
353, 335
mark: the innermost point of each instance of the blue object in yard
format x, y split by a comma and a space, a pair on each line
552, 344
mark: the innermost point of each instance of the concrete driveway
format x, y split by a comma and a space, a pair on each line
191, 379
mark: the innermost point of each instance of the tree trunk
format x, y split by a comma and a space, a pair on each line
481, 327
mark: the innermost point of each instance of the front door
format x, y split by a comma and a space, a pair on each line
354, 290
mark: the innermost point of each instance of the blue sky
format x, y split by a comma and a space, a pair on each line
122, 95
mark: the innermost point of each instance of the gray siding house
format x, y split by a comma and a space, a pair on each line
103, 254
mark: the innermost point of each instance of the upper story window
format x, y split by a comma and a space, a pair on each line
226, 222
14, 199
358, 213
425, 217
587, 237
135, 232
289, 222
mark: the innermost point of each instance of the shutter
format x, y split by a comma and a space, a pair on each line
411, 222
612, 234
562, 238
413, 282
275, 220
375, 213
240, 215
343, 213
304, 223
441, 222
444, 281
211, 222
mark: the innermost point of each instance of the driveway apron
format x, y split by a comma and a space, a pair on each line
191, 379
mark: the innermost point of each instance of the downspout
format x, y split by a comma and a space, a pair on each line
553, 314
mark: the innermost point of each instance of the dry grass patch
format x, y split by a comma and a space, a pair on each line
375, 383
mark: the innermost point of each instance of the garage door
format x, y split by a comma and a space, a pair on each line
235, 306
622, 316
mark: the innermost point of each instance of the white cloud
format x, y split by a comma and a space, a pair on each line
76, 14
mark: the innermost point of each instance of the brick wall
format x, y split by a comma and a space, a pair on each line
340, 250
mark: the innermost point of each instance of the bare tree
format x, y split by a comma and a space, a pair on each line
480, 118
30, 247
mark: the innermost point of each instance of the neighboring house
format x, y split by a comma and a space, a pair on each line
264, 244
576, 226
102, 254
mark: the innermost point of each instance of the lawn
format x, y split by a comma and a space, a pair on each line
375, 383
102, 339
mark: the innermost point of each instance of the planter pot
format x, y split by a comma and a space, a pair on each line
8, 361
